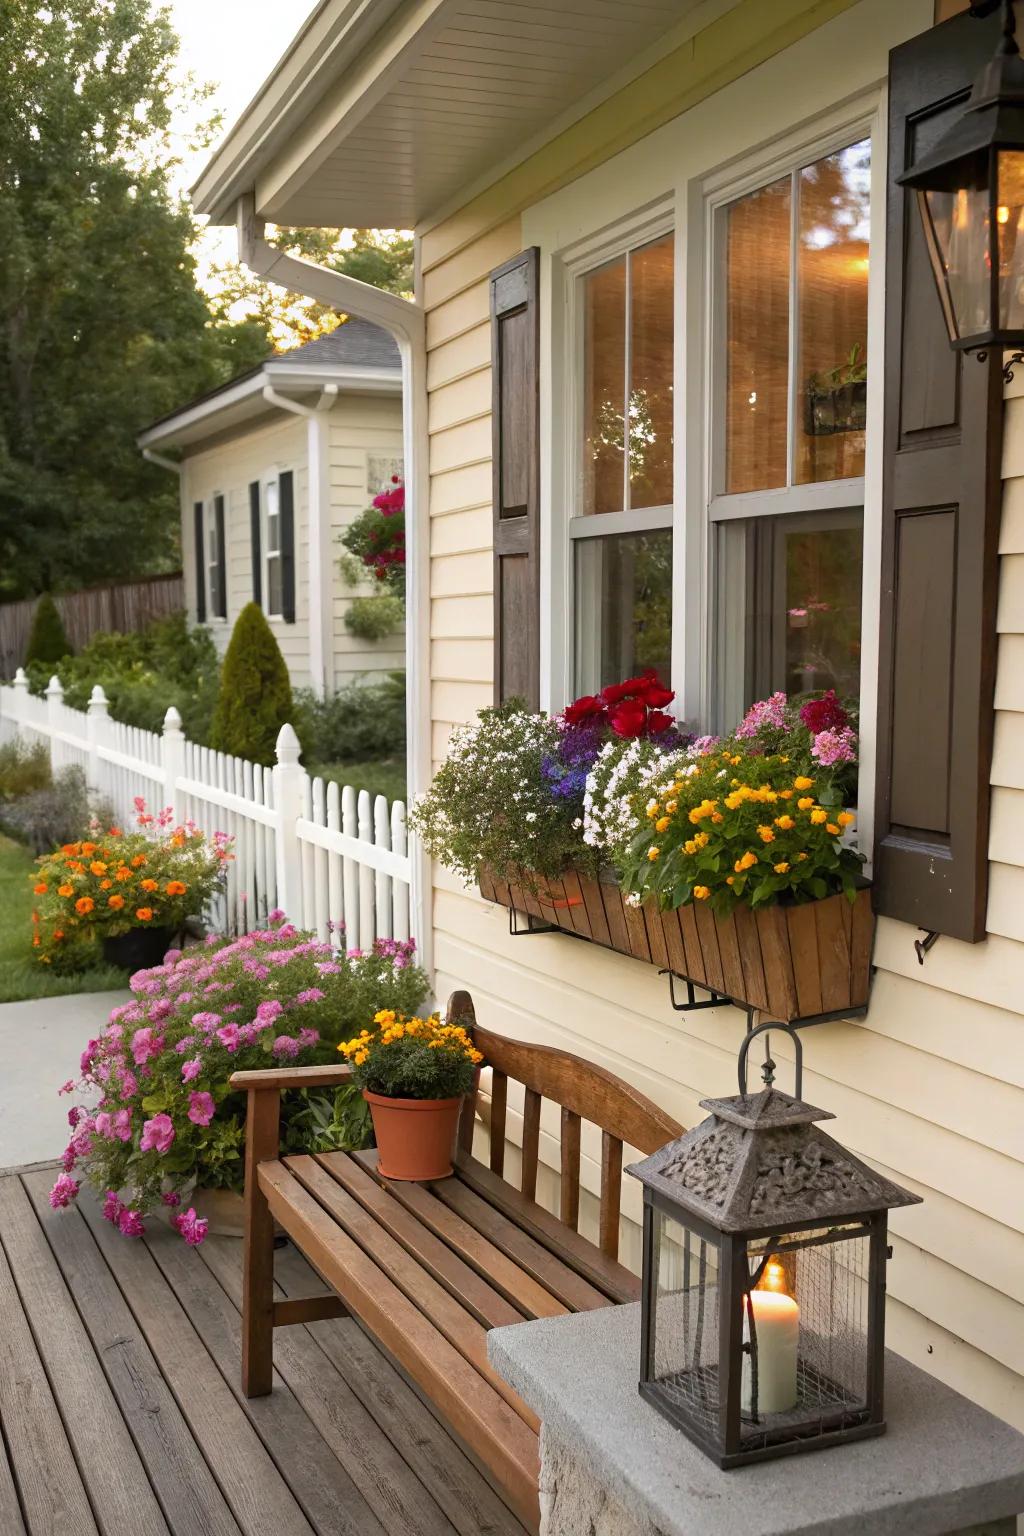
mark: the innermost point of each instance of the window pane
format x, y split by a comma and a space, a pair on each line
650, 391
832, 277
274, 585
273, 532
623, 607
757, 338
604, 363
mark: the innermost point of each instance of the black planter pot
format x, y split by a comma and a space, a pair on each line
139, 948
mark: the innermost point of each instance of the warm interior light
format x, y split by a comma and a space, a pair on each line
1003, 214
774, 1277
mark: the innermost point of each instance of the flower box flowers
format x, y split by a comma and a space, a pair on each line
727, 862
414, 1074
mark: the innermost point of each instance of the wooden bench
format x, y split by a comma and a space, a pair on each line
429, 1268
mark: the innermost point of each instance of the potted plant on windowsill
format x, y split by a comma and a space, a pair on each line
414, 1074
610, 837
837, 401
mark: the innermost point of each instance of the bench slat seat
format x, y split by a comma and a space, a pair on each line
428, 1268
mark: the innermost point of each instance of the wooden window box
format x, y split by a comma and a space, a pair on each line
790, 963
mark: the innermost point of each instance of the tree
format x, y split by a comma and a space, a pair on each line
102, 328
255, 697
47, 641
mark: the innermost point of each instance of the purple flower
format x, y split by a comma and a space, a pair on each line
308, 1038
201, 1108
157, 1135
191, 1069
64, 1191
112, 1207
130, 1223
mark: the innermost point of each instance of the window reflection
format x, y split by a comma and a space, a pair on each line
757, 338
604, 353
650, 394
623, 607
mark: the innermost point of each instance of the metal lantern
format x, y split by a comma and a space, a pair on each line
970, 191
763, 1300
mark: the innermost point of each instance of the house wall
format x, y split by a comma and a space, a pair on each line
361, 428
930, 1085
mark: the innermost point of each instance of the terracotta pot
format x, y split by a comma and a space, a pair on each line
415, 1137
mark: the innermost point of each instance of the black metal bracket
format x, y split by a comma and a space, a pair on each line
691, 1005
808, 1020
534, 925
1013, 361
922, 946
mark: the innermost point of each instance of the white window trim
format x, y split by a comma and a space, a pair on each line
210, 538
271, 478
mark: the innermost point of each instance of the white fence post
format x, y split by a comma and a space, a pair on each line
289, 804
95, 724
21, 692
54, 700
172, 756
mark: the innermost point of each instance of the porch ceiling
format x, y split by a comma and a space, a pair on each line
382, 122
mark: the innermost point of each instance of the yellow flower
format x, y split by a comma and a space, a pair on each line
801, 856
98, 867
671, 806
702, 839
729, 879
717, 817
385, 1016
701, 892
745, 862
831, 829
819, 816
803, 782
662, 824
845, 817
781, 869
690, 846
653, 853
766, 834
360, 1057
785, 822
805, 803
653, 808
785, 794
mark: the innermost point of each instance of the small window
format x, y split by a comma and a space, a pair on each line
621, 530
214, 524
792, 310
272, 584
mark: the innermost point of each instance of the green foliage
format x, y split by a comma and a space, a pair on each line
381, 257
47, 642
374, 618
23, 769
143, 674
386, 777
57, 812
97, 284
255, 697
360, 722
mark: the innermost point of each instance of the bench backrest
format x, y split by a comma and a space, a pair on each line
585, 1092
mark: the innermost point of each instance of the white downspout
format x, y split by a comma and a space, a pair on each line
320, 566
164, 463
406, 322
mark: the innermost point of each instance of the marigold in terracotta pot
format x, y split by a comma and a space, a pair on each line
414, 1074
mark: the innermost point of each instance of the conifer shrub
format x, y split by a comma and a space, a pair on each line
47, 642
255, 695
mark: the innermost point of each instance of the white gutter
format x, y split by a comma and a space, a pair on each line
321, 563
407, 324
163, 462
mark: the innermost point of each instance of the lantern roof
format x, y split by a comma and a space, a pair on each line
759, 1161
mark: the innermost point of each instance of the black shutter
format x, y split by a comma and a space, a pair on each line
286, 502
254, 530
222, 560
515, 364
197, 520
941, 505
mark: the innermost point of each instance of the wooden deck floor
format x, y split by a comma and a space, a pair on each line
121, 1411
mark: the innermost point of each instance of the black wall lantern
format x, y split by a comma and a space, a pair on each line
970, 191
763, 1297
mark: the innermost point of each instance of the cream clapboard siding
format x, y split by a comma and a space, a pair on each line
930, 1086
361, 428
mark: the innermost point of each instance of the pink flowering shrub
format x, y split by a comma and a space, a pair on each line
818, 733
167, 1120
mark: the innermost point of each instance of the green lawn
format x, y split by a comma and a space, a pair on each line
385, 778
21, 976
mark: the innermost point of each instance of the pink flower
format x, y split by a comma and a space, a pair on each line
170, 1197
201, 1108
123, 1125
193, 1228
831, 747
285, 1048
766, 712
157, 1135
64, 1191
105, 1125
228, 1037
191, 1069
310, 995
68, 1087
824, 714
112, 1207
74, 1115
308, 1037
144, 1045
277, 916
130, 1223
268, 1011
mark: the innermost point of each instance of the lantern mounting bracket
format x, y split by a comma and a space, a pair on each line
1013, 361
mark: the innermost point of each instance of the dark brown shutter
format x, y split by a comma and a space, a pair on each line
254, 534
941, 504
222, 559
515, 363
286, 510
197, 524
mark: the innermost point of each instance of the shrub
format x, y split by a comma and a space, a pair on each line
255, 696
374, 618
23, 768
167, 1119
59, 812
376, 538
405, 1058
153, 877
47, 642
358, 723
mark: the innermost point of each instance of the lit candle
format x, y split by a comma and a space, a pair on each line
777, 1326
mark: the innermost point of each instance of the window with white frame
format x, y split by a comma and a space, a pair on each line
621, 524
272, 582
788, 422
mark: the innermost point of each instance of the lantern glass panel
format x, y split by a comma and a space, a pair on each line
805, 1346
1010, 226
959, 225
685, 1322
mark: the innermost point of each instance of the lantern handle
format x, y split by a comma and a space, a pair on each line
798, 1052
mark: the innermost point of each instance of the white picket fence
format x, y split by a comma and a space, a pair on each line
336, 861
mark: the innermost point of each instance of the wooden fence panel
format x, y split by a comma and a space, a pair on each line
125, 608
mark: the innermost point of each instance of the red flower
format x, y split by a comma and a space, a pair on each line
584, 708
655, 695
824, 714
628, 719
615, 693
658, 721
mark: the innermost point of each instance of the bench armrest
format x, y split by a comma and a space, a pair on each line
281, 1078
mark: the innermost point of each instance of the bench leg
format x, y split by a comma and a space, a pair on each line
262, 1140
